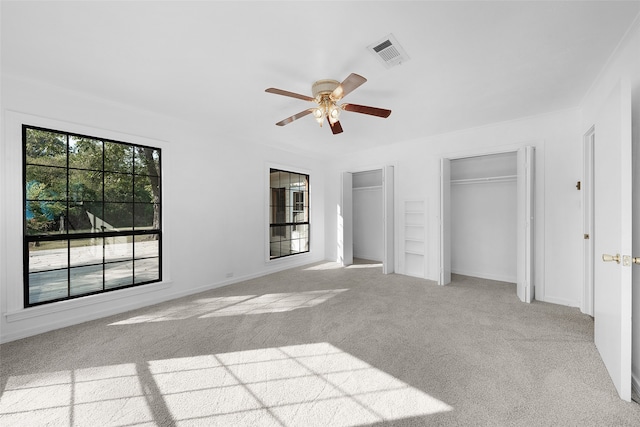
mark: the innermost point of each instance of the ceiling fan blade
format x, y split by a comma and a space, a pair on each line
294, 117
336, 127
347, 86
372, 111
287, 93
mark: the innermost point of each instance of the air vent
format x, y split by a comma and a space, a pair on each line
388, 51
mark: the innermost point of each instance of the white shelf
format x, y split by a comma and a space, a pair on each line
486, 180
374, 187
414, 238
414, 252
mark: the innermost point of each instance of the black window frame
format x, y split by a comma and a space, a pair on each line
278, 228
67, 236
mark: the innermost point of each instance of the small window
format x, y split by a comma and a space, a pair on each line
288, 213
92, 215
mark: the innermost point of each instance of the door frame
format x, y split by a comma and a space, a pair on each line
538, 209
586, 186
345, 217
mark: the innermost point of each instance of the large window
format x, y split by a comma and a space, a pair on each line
288, 213
92, 215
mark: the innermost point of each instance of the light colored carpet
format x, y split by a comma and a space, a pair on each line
319, 346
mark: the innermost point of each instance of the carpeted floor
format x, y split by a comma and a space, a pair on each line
319, 346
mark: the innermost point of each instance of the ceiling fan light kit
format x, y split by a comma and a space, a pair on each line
326, 94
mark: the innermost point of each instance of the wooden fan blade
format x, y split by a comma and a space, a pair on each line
287, 93
347, 86
336, 128
294, 117
372, 111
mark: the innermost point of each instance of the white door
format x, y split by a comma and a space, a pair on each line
525, 183
445, 222
387, 196
612, 237
345, 221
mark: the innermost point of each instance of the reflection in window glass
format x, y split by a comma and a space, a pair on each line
48, 286
92, 218
86, 251
85, 280
288, 213
118, 274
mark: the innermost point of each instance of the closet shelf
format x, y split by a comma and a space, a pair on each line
413, 239
373, 187
504, 178
413, 252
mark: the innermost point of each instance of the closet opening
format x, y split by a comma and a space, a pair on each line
366, 218
486, 218
368, 238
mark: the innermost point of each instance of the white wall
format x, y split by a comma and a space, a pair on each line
483, 230
556, 136
625, 63
214, 206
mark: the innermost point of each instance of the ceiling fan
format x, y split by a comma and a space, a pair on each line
326, 94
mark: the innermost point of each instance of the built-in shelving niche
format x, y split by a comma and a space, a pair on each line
414, 238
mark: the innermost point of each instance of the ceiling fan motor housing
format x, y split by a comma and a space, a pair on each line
324, 87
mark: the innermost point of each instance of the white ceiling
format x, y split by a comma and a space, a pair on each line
472, 63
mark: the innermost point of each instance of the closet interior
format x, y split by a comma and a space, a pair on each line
483, 216
368, 226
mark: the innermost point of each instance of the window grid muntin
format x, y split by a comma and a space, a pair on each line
68, 236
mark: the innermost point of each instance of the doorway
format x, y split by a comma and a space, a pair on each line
361, 187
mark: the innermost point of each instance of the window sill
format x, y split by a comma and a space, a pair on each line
57, 307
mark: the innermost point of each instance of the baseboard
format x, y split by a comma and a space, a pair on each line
560, 301
488, 276
635, 383
80, 311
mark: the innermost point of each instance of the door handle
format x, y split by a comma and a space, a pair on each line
609, 258
635, 260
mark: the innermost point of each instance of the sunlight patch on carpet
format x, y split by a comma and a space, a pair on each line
235, 306
312, 384
309, 384
368, 265
324, 266
104, 395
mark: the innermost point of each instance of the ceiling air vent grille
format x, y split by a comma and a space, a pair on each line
389, 51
